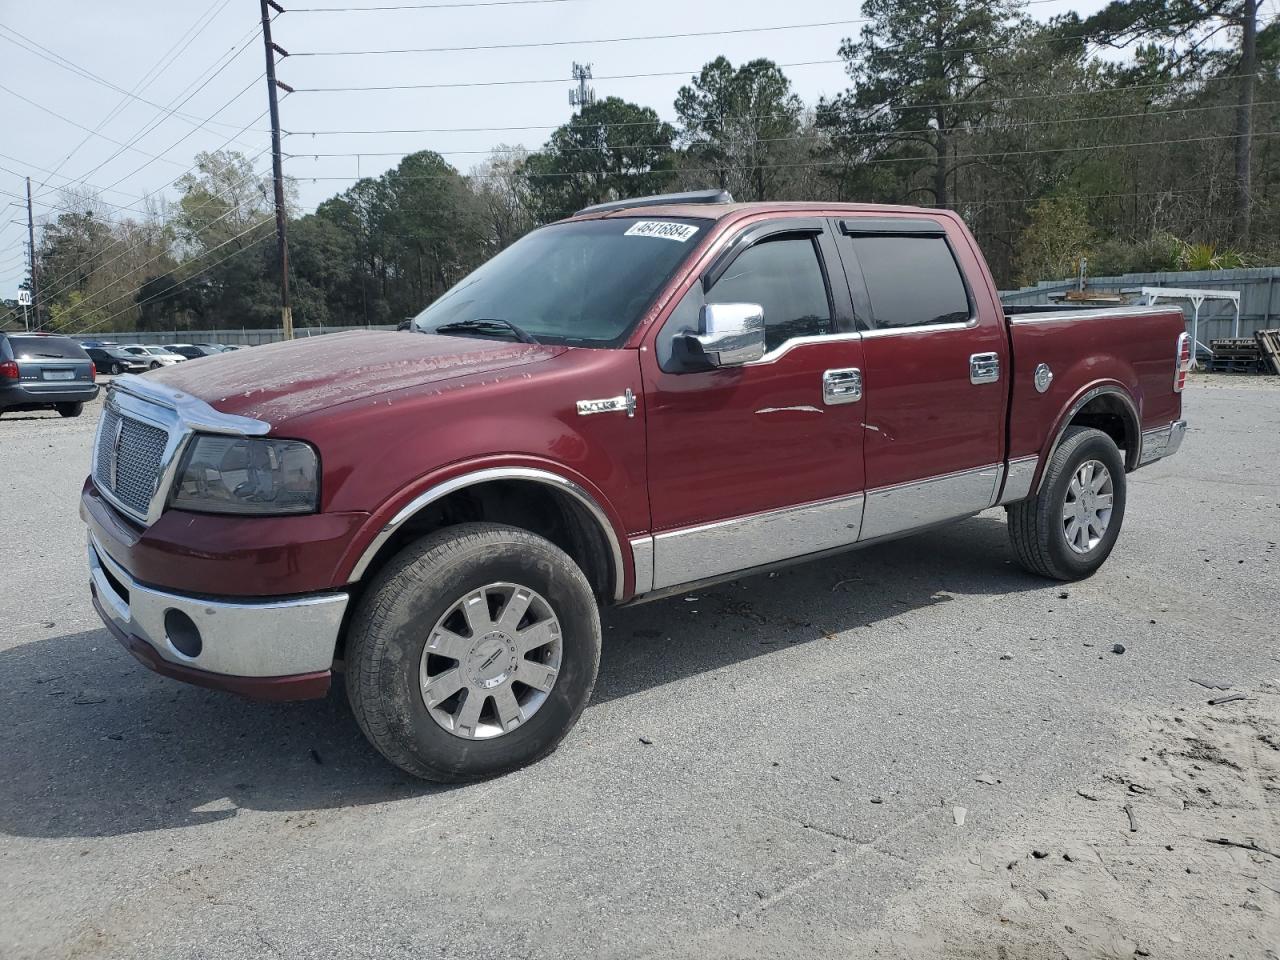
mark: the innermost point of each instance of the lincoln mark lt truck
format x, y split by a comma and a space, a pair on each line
650, 396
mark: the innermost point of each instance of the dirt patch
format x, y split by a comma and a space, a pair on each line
1076, 881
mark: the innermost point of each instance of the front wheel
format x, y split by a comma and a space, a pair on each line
155, 365
1068, 529
473, 652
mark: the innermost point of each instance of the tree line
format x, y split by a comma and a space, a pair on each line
1142, 137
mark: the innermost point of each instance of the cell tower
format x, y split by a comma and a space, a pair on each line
582, 95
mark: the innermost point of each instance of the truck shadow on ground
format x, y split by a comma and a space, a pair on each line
95, 745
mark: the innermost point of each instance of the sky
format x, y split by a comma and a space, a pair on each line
166, 53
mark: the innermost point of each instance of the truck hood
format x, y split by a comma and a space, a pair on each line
280, 381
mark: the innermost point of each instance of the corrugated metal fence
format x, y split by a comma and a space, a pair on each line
1259, 295
240, 336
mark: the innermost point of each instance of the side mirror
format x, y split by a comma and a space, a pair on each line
732, 333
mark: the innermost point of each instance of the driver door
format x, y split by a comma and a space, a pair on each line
761, 462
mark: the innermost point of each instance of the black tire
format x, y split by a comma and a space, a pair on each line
117, 369
155, 365
395, 617
1035, 525
70, 409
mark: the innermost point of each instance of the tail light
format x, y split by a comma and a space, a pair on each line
9, 370
1183, 364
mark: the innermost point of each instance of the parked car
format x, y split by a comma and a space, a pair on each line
641, 400
191, 351
115, 360
42, 371
156, 357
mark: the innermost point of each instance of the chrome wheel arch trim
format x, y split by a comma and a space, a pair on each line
443, 489
1135, 424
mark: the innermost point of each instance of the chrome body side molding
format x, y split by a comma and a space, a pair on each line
499, 473
1111, 313
1162, 442
1017, 484
642, 562
713, 549
919, 503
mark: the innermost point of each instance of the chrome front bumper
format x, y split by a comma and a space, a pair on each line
1162, 442
238, 638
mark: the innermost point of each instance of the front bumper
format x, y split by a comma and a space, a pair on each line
265, 649
1162, 442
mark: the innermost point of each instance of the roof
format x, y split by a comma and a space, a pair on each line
720, 211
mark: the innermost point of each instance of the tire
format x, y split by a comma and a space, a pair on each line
1038, 527
70, 409
435, 581
116, 369
155, 365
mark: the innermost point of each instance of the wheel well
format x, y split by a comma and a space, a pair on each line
1110, 414
527, 504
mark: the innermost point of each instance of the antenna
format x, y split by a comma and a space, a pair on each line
583, 95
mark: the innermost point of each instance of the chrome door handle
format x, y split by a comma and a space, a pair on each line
842, 386
984, 367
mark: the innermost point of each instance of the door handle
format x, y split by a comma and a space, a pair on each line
984, 367
842, 386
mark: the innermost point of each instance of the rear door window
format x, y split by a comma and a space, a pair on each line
912, 281
46, 348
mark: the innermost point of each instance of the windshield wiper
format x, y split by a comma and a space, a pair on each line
486, 324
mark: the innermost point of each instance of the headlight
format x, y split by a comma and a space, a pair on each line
243, 475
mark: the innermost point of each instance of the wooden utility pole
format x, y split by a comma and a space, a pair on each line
31, 252
282, 241
1244, 118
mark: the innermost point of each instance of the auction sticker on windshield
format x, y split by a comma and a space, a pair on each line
663, 229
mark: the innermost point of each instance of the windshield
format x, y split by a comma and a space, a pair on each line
584, 283
156, 351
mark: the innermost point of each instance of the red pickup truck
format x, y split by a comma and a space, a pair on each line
647, 397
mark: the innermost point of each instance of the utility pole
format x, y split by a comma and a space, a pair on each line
1244, 118
31, 253
282, 242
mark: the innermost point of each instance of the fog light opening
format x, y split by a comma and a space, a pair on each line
182, 633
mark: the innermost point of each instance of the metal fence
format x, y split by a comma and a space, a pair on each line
1259, 295
241, 336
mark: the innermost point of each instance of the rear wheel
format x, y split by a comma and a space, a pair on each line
155, 365
117, 369
473, 652
1068, 529
70, 409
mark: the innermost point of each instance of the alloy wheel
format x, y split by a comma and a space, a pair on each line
490, 661
1086, 509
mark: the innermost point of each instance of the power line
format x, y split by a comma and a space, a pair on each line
159, 67
232, 239
119, 313
63, 63
763, 116
437, 6
570, 43
830, 163
970, 128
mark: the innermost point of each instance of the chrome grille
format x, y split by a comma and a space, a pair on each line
129, 459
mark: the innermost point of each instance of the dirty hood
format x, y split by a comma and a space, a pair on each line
280, 381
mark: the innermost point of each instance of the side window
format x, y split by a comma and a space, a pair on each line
784, 276
912, 281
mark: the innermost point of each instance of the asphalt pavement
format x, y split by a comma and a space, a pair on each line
768, 768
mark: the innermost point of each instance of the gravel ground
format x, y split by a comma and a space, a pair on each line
813, 734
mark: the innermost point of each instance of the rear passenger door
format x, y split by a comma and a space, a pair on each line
756, 463
935, 368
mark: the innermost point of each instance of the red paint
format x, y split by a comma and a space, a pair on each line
302, 686
393, 414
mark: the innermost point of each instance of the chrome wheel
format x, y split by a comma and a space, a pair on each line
1086, 510
490, 661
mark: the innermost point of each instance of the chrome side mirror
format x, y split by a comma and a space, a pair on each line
732, 333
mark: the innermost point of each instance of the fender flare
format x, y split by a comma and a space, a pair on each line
486, 475
1132, 415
